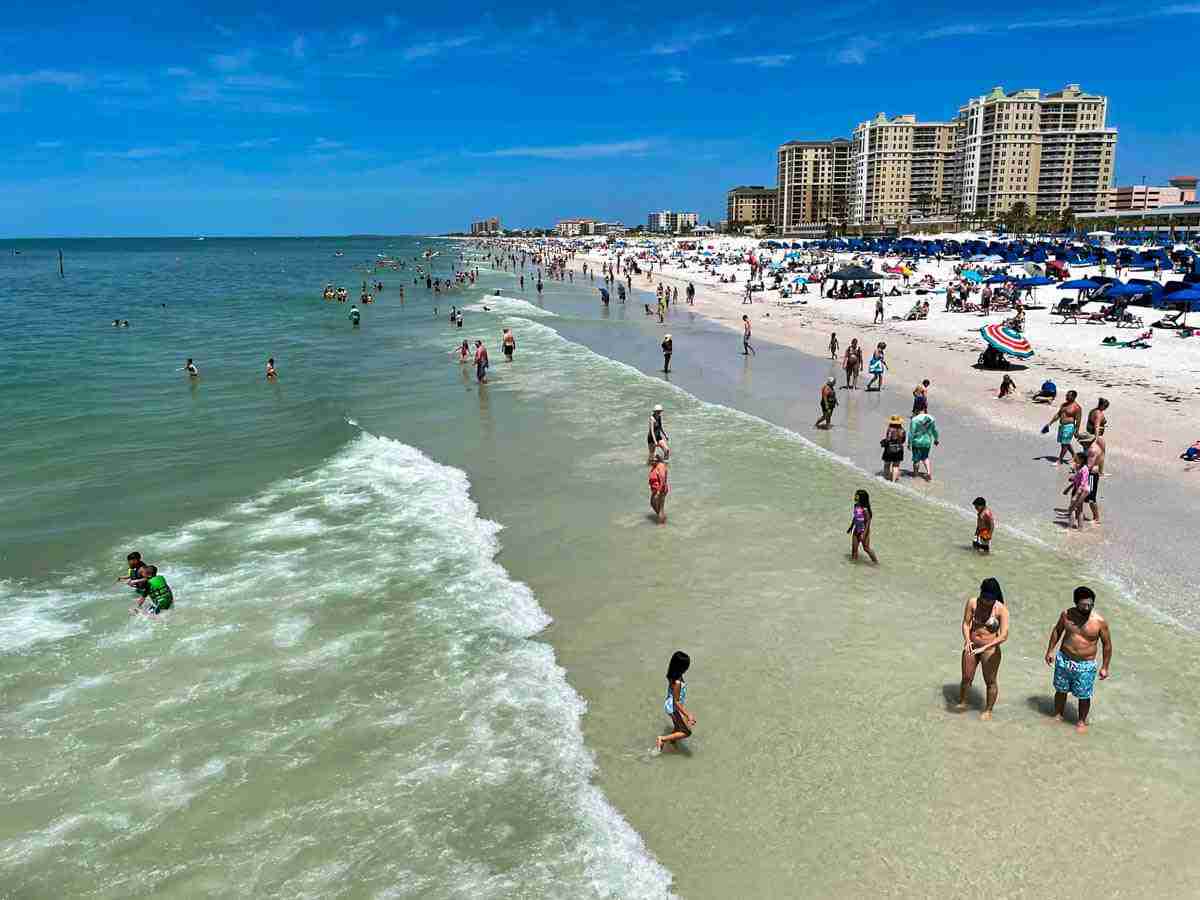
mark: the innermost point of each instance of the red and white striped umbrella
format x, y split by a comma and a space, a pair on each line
1007, 340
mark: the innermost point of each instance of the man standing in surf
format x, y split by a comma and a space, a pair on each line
1075, 636
481, 362
1068, 418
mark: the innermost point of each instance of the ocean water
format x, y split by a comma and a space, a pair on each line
422, 626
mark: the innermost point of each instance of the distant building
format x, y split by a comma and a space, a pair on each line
814, 184
752, 205
575, 227
899, 167
1187, 184
671, 222
1050, 152
487, 226
1145, 196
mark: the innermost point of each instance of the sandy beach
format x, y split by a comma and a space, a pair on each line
1154, 394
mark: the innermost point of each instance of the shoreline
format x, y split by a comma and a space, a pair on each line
1160, 433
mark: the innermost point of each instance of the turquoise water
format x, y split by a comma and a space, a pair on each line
422, 627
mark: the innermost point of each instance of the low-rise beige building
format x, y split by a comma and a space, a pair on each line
752, 205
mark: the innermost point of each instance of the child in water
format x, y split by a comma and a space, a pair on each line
860, 526
682, 720
1079, 487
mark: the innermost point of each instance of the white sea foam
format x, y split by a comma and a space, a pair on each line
30, 617
293, 609
514, 306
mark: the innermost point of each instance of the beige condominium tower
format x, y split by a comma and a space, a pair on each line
1049, 151
900, 166
813, 184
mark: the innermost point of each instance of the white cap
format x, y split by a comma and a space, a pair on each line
658, 407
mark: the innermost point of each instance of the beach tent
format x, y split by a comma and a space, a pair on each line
855, 273
1007, 340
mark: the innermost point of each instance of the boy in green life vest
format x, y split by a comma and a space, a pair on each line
157, 592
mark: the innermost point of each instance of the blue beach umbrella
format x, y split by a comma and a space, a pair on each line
999, 279
1079, 284
972, 276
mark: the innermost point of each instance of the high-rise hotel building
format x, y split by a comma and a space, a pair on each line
900, 166
1049, 151
813, 183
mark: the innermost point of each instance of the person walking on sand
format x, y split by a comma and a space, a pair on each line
829, 403
893, 448
876, 367
656, 434
984, 628
1067, 418
833, 345
860, 526
747, 347
985, 526
921, 398
682, 720
922, 438
659, 486
1094, 446
691, 294
668, 347
878, 310
1097, 421
1072, 653
851, 363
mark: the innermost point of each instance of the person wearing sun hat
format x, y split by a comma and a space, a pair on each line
984, 628
656, 434
667, 349
829, 402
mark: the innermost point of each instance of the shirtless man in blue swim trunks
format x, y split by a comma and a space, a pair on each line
1078, 629
1068, 417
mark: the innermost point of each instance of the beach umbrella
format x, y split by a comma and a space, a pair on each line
1079, 284
1007, 340
999, 279
1033, 268
1037, 281
972, 276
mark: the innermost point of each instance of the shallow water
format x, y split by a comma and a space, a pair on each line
348, 676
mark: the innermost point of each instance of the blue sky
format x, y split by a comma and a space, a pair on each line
224, 119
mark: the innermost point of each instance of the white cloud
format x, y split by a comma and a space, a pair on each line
433, 48
48, 145
855, 52
324, 144
769, 61
674, 75
258, 143
51, 77
231, 62
298, 47
575, 151
358, 39
685, 41
258, 82
139, 153
180, 72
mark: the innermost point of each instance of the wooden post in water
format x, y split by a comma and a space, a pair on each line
61, 273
